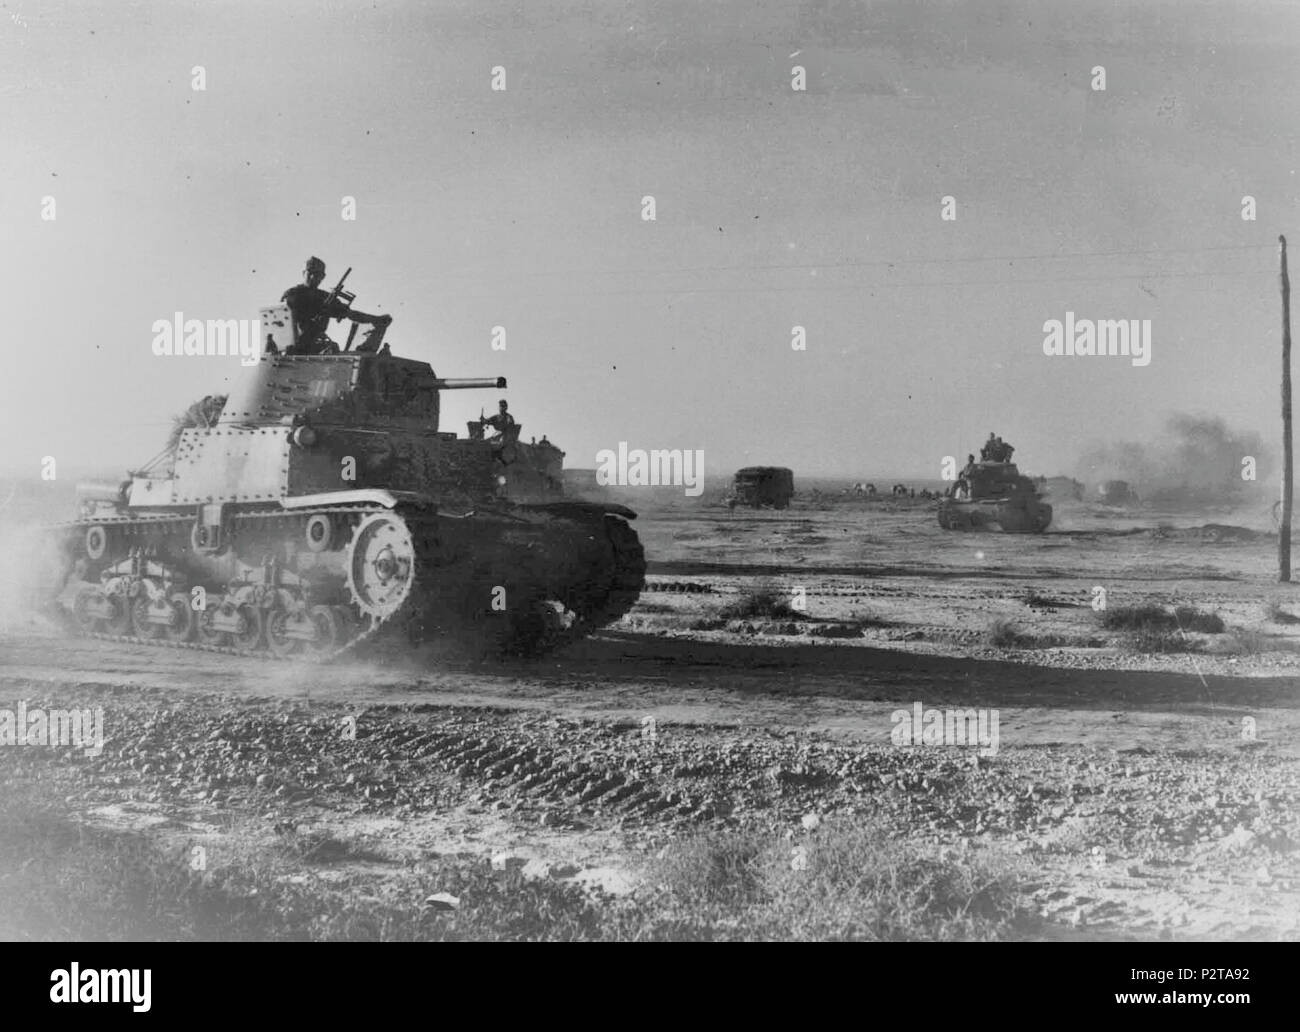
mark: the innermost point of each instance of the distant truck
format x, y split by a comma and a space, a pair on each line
1116, 492
757, 486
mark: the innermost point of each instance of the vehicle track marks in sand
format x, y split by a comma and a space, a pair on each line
849, 691
1181, 843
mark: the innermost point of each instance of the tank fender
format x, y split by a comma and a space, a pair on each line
371, 496
574, 507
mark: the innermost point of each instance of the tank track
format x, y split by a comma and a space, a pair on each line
629, 570
435, 629
145, 526
423, 616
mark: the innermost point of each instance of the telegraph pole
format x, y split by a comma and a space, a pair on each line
1284, 529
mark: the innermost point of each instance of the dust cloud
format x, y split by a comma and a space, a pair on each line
1196, 461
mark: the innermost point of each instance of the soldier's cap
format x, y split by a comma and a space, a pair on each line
315, 263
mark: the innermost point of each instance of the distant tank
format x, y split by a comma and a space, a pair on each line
757, 486
1116, 492
320, 507
994, 496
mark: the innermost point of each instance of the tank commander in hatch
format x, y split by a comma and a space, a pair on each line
503, 422
312, 310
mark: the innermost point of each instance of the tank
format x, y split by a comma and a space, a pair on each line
321, 508
757, 486
994, 496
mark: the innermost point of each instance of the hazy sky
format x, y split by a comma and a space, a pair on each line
775, 208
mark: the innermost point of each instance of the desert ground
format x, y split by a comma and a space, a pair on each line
1144, 784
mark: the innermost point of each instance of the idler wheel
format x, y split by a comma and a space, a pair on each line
381, 565
96, 541
319, 533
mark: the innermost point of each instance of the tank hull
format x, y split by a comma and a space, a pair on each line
1008, 516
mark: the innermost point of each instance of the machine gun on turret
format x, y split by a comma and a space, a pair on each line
339, 294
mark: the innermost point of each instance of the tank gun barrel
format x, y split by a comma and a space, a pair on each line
471, 383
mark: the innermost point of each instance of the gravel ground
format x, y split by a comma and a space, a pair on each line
1126, 842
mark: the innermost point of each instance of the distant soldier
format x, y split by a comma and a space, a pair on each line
312, 310
988, 450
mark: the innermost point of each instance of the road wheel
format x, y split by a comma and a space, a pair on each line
208, 635
184, 619
250, 638
330, 630
119, 624
140, 623
277, 637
